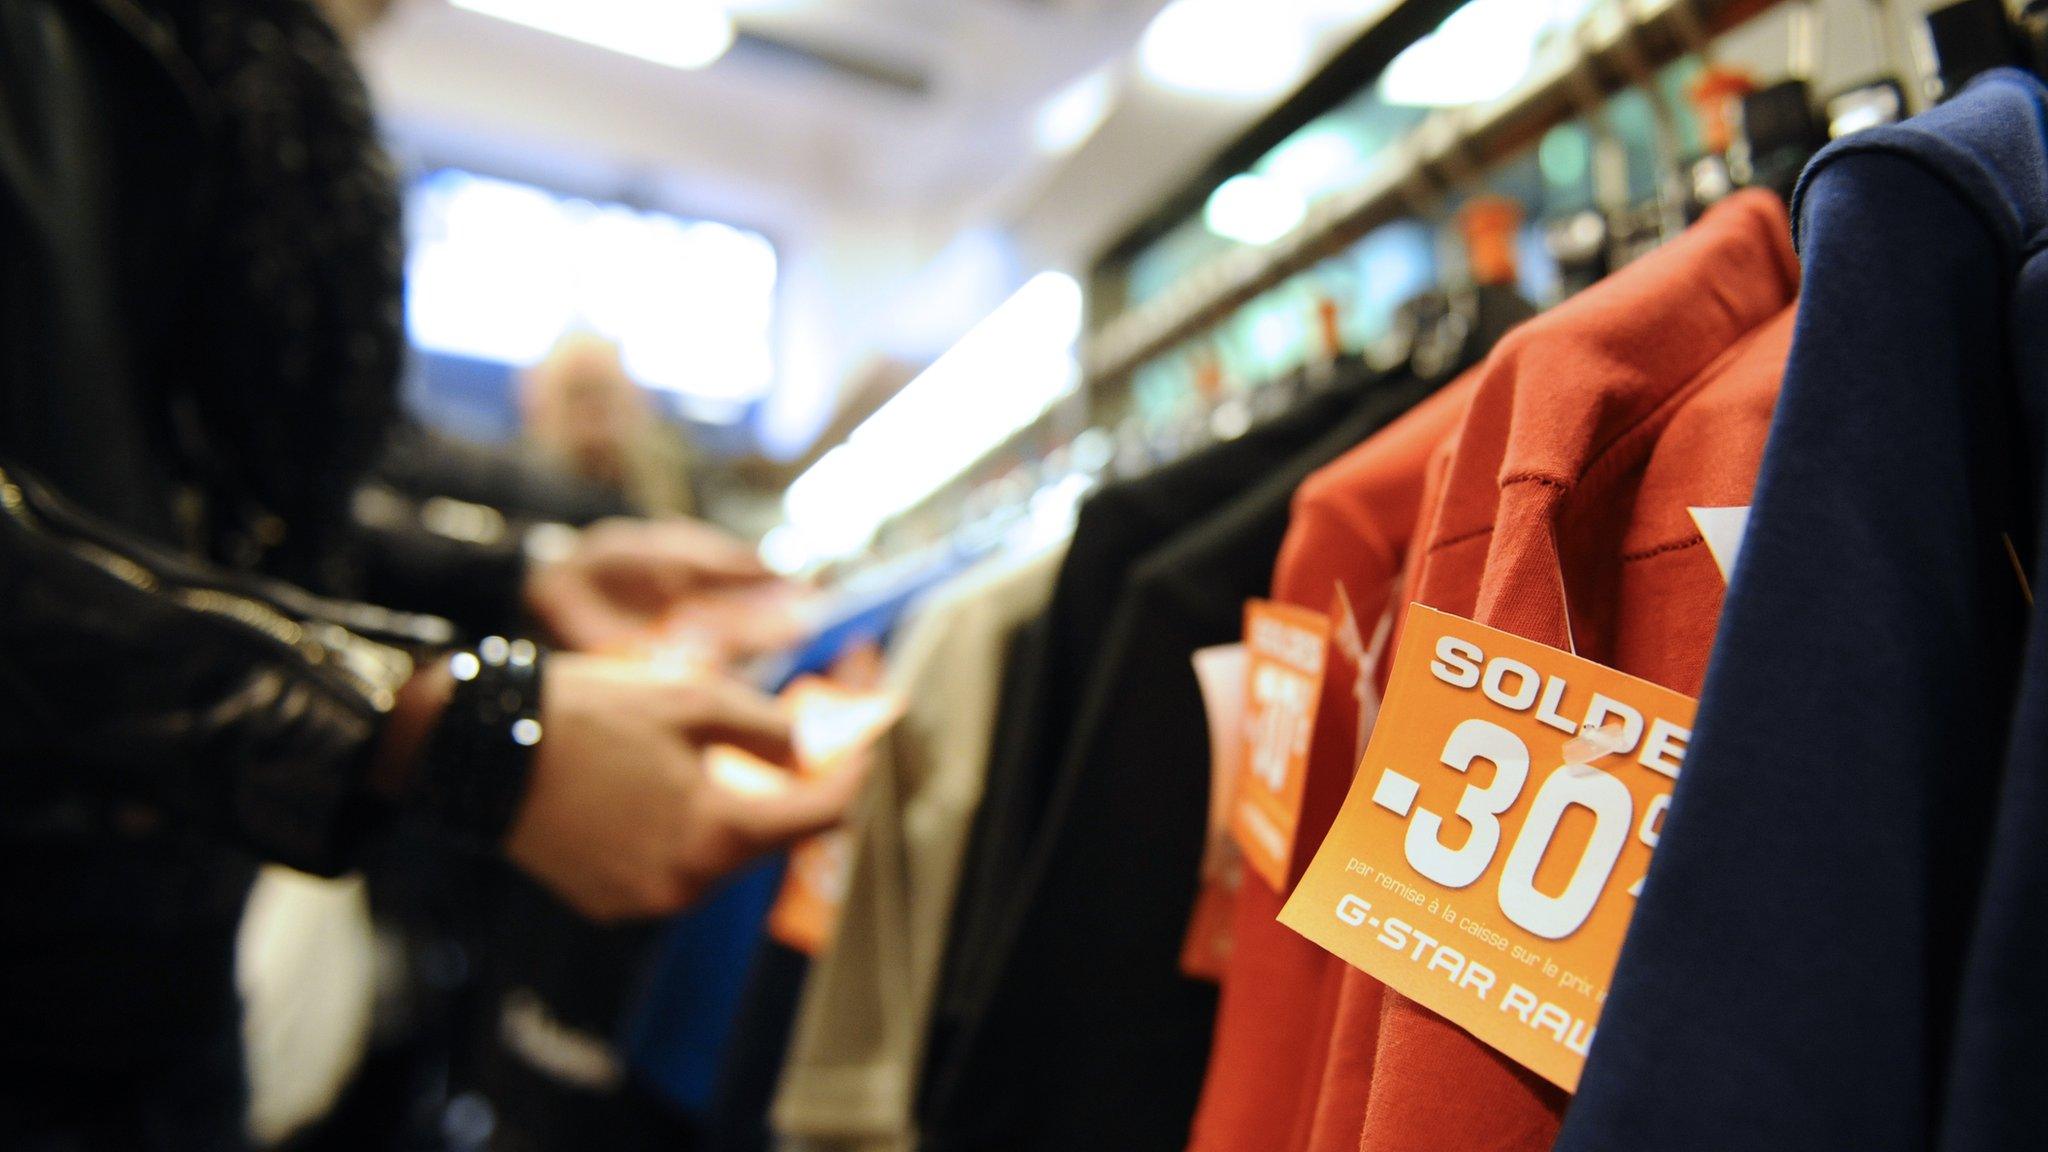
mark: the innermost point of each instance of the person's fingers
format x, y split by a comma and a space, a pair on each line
701, 553
686, 573
715, 710
765, 822
744, 566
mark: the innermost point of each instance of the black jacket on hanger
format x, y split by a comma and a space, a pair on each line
1117, 525
1084, 1033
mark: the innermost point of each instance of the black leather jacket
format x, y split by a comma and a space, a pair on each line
137, 666
198, 349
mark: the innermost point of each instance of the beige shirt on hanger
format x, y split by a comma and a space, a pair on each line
850, 1080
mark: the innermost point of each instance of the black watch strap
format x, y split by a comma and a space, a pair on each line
475, 769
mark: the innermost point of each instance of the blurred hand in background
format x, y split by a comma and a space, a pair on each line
620, 580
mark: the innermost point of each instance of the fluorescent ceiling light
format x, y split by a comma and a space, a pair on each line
1224, 48
677, 33
1253, 210
1066, 120
1478, 54
1001, 376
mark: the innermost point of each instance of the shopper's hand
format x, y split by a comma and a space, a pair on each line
622, 577
621, 820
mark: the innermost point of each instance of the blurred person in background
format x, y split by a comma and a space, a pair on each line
199, 342
586, 417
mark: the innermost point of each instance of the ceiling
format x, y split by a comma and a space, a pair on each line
916, 109
823, 106
864, 136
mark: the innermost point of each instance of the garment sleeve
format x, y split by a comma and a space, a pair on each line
441, 525
1788, 977
474, 579
248, 710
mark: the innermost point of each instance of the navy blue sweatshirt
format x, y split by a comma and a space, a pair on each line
1835, 947
1999, 1065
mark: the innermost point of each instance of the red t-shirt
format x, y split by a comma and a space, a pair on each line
1352, 1032
1351, 525
1564, 518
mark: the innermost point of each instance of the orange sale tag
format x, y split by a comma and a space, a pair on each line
1288, 648
1205, 949
1487, 859
806, 908
833, 722
834, 728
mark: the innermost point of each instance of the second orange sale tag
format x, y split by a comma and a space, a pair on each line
835, 727
1287, 648
1205, 949
1487, 859
806, 909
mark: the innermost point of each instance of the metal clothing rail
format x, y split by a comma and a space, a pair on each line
1619, 48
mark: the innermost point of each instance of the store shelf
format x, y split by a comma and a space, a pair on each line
1616, 50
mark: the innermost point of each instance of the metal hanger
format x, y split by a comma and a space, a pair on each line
1671, 201
1777, 127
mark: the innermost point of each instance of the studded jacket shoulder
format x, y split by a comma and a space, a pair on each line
198, 347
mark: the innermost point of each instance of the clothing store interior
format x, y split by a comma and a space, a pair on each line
1023, 575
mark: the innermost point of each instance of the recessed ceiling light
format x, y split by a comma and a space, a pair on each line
677, 33
1066, 120
1479, 53
1224, 48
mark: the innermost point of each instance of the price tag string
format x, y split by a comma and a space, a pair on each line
1365, 656
1564, 604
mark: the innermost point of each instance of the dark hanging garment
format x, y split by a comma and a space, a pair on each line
1117, 526
760, 1044
1023, 683
1820, 958
1999, 1061
1084, 1033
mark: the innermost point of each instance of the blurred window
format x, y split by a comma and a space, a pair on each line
498, 271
